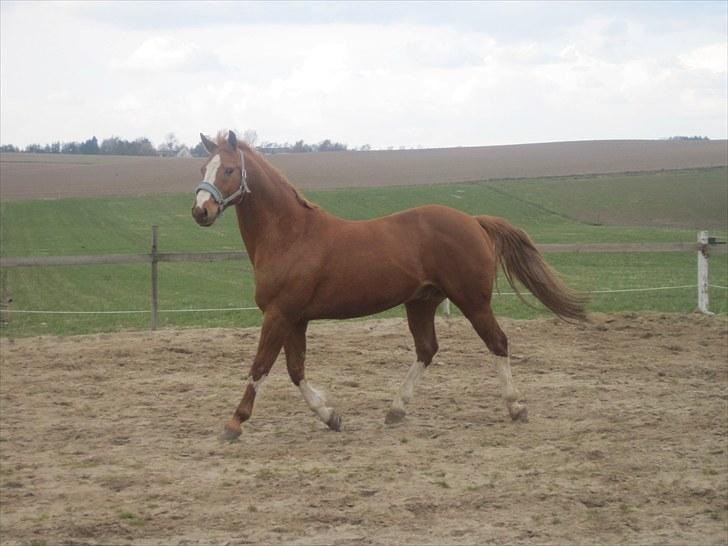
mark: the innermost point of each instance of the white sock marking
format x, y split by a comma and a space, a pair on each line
408, 387
506, 380
257, 384
315, 400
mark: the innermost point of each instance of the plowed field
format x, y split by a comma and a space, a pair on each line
50, 176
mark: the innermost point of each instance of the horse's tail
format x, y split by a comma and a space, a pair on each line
520, 259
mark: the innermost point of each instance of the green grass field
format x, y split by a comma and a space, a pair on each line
643, 208
693, 199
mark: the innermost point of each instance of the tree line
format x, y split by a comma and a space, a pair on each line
681, 137
302, 147
171, 147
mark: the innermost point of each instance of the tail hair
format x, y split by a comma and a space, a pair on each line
521, 260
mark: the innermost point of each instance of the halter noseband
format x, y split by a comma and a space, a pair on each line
224, 202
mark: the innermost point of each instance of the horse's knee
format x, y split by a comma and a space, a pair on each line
426, 351
296, 375
497, 342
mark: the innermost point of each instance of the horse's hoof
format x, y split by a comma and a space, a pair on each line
519, 413
394, 416
334, 422
230, 433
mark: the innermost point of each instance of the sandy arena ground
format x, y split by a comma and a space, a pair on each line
113, 438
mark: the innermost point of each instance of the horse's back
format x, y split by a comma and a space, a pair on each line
438, 231
424, 244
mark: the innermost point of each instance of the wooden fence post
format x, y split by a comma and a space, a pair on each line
155, 269
703, 253
4, 295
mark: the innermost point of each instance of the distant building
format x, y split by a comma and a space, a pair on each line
183, 151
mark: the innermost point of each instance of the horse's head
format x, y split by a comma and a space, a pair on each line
223, 179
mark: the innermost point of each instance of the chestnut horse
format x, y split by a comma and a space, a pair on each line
312, 265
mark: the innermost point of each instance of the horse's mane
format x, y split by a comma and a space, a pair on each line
270, 170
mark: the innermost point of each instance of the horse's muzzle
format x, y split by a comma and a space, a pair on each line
203, 216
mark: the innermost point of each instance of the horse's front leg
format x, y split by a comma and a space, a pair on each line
273, 333
295, 348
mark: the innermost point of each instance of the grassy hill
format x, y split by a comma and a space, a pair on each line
693, 199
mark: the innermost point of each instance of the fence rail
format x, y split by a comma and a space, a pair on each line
704, 247
108, 259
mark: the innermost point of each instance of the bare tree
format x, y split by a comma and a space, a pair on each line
251, 137
170, 147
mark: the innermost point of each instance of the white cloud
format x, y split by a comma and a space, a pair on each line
606, 73
713, 58
164, 53
128, 103
60, 96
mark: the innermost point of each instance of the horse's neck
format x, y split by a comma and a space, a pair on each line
270, 216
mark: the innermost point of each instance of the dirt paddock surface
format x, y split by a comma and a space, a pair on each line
113, 438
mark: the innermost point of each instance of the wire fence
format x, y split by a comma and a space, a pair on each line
704, 247
223, 309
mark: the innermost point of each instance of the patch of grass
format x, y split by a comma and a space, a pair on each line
546, 208
694, 198
131, 518
264, 475
715, 515
540, 206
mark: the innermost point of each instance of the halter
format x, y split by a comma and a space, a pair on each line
216, 194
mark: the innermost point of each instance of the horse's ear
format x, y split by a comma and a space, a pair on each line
232, 140
209, 145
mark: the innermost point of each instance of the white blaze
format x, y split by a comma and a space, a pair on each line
210, 174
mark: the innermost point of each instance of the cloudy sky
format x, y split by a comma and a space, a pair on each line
385, 74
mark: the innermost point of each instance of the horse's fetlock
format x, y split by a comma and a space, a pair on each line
242, 415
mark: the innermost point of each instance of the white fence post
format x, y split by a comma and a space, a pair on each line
446, 307
703, 253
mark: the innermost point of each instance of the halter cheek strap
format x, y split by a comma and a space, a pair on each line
224, 202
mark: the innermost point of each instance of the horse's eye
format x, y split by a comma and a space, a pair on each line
228, 172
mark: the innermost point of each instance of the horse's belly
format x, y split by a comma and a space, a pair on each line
371, 289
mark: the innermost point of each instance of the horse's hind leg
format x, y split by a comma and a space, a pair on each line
295, 349
421, 320
490, 332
